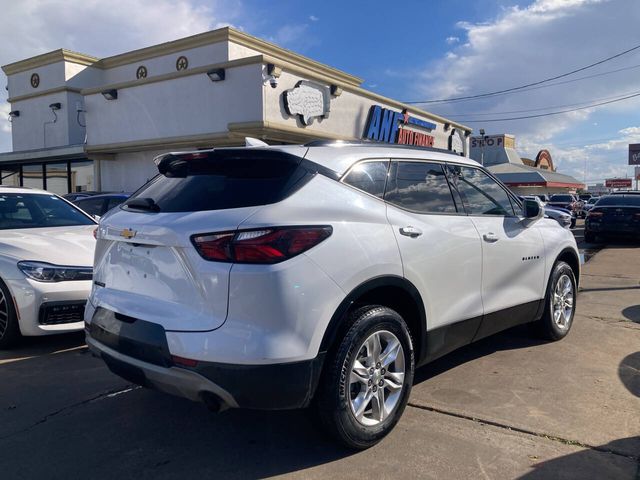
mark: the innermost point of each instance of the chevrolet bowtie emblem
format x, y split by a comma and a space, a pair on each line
128, 233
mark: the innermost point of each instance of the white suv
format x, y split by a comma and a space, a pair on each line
319, 275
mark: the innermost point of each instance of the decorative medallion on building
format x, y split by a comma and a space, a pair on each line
308, 100
182, 63
35, 80
390, 126
141, 72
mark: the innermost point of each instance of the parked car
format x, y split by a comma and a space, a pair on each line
589, 204
543, 197
72, 197
614, 215
560, 215
98, 205
319, 275
584, 196
46, 257
563, 200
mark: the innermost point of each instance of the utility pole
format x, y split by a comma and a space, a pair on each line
482, 146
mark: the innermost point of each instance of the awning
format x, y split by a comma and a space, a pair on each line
518, 175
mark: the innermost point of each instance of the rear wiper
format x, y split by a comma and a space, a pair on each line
143, 203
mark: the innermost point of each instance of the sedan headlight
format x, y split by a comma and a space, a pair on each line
46, 272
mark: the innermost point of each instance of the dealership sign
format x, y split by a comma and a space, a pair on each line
634, 154
389, 126
618, 183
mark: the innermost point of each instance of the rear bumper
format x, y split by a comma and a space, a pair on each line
139, 354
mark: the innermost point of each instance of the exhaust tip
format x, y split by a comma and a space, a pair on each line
213, 402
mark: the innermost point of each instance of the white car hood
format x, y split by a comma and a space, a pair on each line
58, 245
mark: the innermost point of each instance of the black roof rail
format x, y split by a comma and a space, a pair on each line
367, 143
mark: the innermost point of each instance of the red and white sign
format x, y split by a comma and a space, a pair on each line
618, 183
637, 173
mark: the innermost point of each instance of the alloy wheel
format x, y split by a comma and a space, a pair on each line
563, 302
377, 378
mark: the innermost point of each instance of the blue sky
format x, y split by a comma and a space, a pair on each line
414, 50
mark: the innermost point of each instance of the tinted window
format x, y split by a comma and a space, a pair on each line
480, 194
561, 198
632, 200
369, 177
114, 202
37, 211
226, 182
93, 206
421, 187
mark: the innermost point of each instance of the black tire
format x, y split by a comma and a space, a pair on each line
332, 403
547, 326
590, 237
9, 328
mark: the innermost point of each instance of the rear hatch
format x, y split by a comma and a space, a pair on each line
146, 264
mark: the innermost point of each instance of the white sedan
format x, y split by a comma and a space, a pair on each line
46, 258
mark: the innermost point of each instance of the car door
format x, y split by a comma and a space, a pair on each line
513, 262
440, 250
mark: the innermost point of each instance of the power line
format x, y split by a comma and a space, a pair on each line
539, 109
550, 113
506, 90
564, 82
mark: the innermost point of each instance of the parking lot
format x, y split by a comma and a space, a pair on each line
509, 406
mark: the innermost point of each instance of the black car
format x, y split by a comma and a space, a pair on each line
98, 205
617, 215
562, 200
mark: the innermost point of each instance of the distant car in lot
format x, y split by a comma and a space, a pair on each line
584, 196
589, 204
72, 197
563, 200
98, 205
319, 275
560, 215
614, 215
46, 258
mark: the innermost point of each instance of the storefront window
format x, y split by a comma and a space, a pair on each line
32, 176
10, 176
57, 178
82, 176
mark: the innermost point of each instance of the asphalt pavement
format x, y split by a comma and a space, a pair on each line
510, 406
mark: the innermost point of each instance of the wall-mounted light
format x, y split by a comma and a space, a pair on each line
274, 70
336, 90
447, 126
111, 94
55, 106
217, 74
14, 113
467, 133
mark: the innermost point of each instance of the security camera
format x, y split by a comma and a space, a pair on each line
273, 81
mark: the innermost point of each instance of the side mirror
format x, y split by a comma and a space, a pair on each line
532, 211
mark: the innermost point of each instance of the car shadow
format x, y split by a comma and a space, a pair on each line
512, 339
632, 313
602, 461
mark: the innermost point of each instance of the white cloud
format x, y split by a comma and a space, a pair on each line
294, 36
32, 27
525, 44
452, 40
313, 18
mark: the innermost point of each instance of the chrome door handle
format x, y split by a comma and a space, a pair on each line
410, 231
490, 237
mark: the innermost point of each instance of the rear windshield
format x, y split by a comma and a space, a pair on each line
28, 210
225, 182
632, 200
561, 198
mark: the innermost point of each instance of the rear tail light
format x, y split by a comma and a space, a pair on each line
184, 362
264, 246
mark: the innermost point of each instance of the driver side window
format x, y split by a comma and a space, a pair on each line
480, 194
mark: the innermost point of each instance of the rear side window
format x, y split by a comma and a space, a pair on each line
225, 180
93, 206
420, 187
370, 177
481, 194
